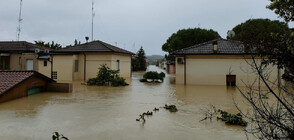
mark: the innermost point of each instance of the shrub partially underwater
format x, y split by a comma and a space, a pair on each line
153, 76
106, 77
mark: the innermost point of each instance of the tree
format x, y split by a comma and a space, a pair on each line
271, 39
139, 61
271, 119
272, 114
76, 42
284, 8
188, 37
48, 45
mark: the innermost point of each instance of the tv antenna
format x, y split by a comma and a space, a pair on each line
19, 21
93, 14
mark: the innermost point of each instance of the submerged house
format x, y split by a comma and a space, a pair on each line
22, 55
217, 62
17, 84
73, 63
81, 62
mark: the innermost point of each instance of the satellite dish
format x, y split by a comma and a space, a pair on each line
230, 34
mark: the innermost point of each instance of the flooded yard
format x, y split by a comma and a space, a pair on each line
93, 112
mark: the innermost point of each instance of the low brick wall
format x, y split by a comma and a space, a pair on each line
59, 87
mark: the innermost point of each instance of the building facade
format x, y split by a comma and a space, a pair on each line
21, 55
81, 62
73, 63
217, 62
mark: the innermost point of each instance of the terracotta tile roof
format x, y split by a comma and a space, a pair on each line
20, 46
94, 46
224, 47
10, 79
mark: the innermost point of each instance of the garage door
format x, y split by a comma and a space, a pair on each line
34, 91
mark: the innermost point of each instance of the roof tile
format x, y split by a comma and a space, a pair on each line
19, 46
94, 46
9, 79
224, 47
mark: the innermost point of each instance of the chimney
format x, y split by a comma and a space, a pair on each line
215, 46
87, 38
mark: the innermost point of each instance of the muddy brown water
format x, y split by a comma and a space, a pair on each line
93, 112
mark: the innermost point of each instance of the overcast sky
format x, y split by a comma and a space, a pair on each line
128, 24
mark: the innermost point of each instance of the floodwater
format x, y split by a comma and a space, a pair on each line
93, 112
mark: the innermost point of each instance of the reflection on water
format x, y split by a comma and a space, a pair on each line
93, 112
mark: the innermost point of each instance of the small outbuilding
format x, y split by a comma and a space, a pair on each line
17, 84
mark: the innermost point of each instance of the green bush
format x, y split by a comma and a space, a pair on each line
153, 75
118, 81
107, 76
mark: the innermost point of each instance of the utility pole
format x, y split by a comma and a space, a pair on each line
93, 14
19, 21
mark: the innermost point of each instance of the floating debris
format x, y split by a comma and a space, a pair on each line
155, 109
233, 119
171, 108
141, 117
148, 113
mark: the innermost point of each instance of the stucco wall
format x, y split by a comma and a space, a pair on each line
124, 64
63, 65
94, 61
45, 70
15, 65
212, 70
180, 73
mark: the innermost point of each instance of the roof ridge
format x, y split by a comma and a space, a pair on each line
197, 45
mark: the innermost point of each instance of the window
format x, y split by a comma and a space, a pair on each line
4, 62
117, 64
76, 65
231, 80
45, 63
54, 75
19, 60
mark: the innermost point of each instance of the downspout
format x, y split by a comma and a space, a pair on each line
51, 66
84, 67
185, 75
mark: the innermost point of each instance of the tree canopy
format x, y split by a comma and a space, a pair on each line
51, 45
260, 30
271, 39
139, 61
188, 37
284, 8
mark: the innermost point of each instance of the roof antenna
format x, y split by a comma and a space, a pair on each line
93, 14
19, 21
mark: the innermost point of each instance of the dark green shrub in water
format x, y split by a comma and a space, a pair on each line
153, 75
107, 76
118, 81
171, 108
233, 119
57, 136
